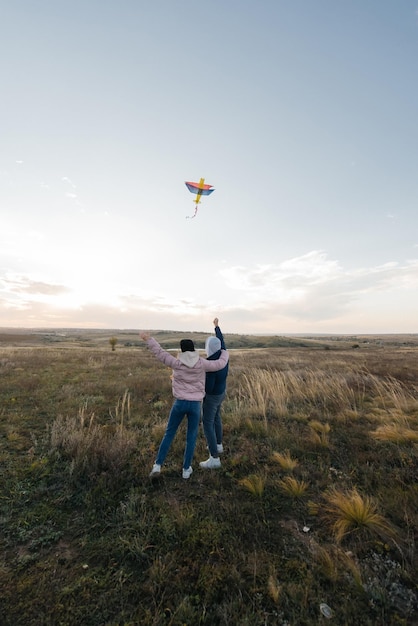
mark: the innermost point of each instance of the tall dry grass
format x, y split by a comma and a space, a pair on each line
91, 446
273, 393
395, 433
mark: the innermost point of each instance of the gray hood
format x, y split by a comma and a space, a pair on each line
188, 358
213, 344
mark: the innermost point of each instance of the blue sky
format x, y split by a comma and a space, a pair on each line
301, 114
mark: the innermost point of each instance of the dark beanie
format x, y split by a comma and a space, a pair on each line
187, 345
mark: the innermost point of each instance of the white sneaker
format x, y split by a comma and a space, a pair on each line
220, 448
156, 469
211, 463
187, 472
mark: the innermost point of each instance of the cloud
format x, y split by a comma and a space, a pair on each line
304, 294
156, 304
287, 282
313, 287
73, 194
23, 285
26, 302
65, 179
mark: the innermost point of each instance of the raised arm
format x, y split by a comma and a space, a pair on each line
218, 333
158, 352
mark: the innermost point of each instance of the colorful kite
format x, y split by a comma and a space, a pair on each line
200, 189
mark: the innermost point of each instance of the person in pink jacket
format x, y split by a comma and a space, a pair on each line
188, 385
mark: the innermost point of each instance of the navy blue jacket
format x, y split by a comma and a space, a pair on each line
216, 381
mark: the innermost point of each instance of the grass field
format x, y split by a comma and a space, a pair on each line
312, 518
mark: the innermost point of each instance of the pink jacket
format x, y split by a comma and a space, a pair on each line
189, 370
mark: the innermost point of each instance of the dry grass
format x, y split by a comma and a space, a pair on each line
335, 563
254, 484
349, 512
292, 486
285, 460
272, 393
390, 393
274, 587
85, 533
319, 434
395, 433
90, 446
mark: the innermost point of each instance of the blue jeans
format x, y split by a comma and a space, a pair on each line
191, 409
212, 422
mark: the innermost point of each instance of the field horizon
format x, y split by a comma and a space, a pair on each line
169, 337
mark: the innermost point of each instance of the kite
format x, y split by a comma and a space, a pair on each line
200, 189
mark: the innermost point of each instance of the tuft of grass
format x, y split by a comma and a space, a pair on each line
313, 508
285, 460
274, 588
254, 483
349, 511
320, 433
333, 562
326, 562
395, 433
292, 486
319, 427
352, 567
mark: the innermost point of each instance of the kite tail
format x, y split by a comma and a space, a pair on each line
190, 217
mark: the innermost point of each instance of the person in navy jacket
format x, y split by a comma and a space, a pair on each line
215, 389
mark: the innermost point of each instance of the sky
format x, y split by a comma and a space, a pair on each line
301, 114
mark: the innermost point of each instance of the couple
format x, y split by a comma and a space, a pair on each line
194, 379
